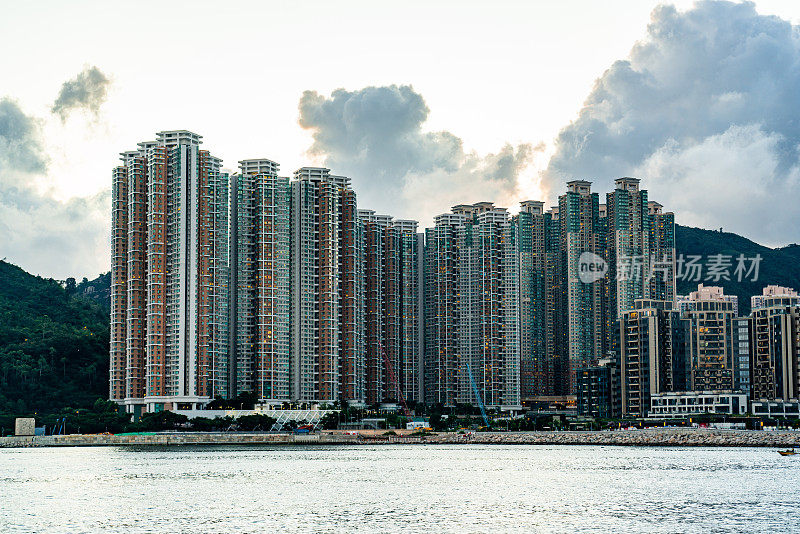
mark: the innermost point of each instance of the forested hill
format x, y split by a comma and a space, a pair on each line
53, 345
98, 290
779, 266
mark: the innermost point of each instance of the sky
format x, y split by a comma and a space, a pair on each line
423, 106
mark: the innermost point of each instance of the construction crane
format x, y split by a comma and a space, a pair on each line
477, 396
393, 378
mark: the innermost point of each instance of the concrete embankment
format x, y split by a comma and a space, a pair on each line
671, 437
174, 438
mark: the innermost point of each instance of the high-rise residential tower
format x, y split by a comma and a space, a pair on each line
661, 269
380, 314
410, 244
774, 335
557, 334
640, 249
260, 275
326, 289
442, 359
534, 238
741, 355
118, 356
582, 244
174, 279
392, 315
651, 353
628, 245
472, 337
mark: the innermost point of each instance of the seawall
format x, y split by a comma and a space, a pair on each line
670, 437
174, 438
661, 437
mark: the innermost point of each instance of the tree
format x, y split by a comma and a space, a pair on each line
255, 422
290, 425
156, 421
53, 346
330, 421
436, 421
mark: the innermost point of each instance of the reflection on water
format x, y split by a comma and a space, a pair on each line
454, 488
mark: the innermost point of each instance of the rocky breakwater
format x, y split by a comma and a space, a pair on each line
670, 437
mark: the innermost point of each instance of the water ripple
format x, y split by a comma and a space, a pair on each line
454, 488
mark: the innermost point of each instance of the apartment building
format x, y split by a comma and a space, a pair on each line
260, 269
710, 338
581, 246
775, 353
169, 269
392, 310
534, 231
326, 284
471, 308
651, 355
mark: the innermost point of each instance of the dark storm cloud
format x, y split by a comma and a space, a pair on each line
87, 91
374, 135
706, 111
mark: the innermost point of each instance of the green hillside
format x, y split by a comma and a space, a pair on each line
779, 266
98, 290
53, 345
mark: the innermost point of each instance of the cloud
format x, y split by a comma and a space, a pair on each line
51, 237
38, 232
705, 111
756, 183
375, 136
20, 143
88, 90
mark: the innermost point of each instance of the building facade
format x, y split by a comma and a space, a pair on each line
628, 246
392, 308
471, 308
707, 293
599, 390
537, 254
168, 229
582, 248
649, 353
260, 269
775, 296
326, 289
710, 337
741, 356
661, 268
775, 353
684, 404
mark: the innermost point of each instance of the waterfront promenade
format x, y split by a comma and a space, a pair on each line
672, 437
